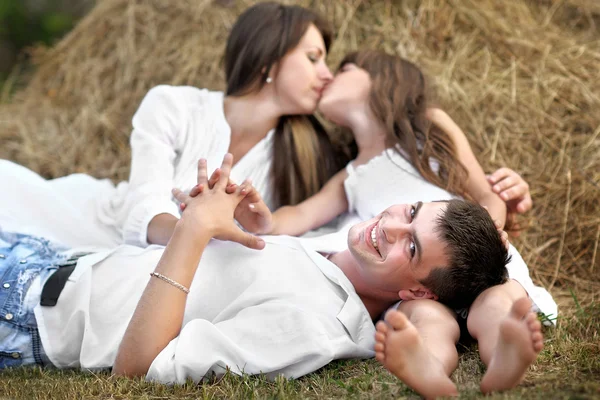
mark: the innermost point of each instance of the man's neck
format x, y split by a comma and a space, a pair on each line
375, 300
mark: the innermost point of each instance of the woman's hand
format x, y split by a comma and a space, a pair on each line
212, 209
513, 189
252, 213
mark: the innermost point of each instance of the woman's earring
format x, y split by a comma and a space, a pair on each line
269, 79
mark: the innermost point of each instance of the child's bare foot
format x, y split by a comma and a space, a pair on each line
400, 349
519, 343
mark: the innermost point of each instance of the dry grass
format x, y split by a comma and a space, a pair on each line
520, 78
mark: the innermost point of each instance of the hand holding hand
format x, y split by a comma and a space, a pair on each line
212, 209
252, 213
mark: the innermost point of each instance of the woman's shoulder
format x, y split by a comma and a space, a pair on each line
178, 103
185, 95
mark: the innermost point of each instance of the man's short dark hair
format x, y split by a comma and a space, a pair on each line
477, 256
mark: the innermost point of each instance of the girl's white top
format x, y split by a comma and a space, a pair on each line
385, 180
173, 128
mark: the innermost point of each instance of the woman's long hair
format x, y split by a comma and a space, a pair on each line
303, 156
398, 100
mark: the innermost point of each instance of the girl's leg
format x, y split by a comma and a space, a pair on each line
508, 334
418, 345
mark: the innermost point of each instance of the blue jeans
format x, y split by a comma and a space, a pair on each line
26, 262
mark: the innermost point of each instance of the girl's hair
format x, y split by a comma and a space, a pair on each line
398, 100
303, 156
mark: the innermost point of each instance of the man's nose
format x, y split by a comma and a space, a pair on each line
394, 229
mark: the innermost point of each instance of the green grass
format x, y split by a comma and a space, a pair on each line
567, 368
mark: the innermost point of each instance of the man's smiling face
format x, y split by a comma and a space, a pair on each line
399, 247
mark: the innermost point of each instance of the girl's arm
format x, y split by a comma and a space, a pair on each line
477, 185
313, 212
149, 214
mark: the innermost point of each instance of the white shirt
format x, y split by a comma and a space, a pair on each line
283, 310
173, 128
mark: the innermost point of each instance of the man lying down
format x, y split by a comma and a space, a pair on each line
271, 305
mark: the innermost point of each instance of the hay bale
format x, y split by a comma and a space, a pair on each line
520, 77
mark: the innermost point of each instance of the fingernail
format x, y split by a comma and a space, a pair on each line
504, 196
252, 206
496, 188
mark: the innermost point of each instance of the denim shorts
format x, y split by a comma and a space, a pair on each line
26, 262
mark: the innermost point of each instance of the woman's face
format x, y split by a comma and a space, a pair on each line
347, 94
301, 75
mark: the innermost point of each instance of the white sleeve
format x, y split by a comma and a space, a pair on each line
272, 338
156, 127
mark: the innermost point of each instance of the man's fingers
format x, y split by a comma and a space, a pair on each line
231, 188
202, 174
225, 171
180, 196
247, 239
214, 178
196, 190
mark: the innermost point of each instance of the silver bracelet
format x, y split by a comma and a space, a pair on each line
170, 282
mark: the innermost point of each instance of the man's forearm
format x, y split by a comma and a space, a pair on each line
159, 314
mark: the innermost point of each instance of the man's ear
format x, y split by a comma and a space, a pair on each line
417, 294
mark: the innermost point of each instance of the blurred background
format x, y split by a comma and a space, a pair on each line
25, 23
520, 77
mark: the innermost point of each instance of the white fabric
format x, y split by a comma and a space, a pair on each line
172, 129
283, 310
389, 179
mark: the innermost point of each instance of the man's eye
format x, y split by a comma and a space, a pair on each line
412, 249
313, 58
412, 213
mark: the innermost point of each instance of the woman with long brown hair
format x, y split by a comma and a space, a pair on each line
275, 71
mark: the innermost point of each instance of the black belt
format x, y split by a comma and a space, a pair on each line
56, 282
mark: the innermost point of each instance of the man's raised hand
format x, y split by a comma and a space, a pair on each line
212, 209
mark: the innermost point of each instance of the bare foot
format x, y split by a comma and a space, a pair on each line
400, 349
519, 343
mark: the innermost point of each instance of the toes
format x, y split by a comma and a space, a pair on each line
535, 325
382, 327
538, 346
520, 308
379, 347
379, 337
538, 341
396, 319
380, 356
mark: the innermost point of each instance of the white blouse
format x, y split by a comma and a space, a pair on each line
173, 128
385, 180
